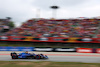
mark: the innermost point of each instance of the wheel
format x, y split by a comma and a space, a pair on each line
14, 57
37, 57
13, 53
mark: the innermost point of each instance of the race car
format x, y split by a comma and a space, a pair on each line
26, 55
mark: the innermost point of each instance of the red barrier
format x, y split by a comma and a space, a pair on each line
98, 50
50, 39
84, 50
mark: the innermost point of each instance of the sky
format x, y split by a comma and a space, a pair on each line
23, 10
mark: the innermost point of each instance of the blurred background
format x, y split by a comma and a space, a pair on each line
53, 23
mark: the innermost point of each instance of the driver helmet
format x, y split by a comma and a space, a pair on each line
26, 51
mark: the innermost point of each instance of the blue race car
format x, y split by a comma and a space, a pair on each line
27, 55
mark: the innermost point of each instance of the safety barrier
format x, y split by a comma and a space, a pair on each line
50, 39
16, 48
48, 49
84, 50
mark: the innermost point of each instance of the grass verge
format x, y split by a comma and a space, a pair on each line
46, 64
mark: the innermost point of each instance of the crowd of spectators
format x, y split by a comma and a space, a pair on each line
56, 28
4, 25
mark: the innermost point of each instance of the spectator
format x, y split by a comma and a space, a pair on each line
57, 28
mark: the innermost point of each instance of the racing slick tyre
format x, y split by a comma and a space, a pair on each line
37, 57
14, 56
13, 53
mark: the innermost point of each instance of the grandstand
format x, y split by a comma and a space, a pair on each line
5, 25
57, 28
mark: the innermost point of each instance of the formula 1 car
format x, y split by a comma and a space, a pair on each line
28, 56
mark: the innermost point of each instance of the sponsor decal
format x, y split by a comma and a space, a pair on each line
16, 48
43, 49
60, 49
3, 38
13, 50
43, 39
98, 50
84, 50
86, 40
72, 39
3, 49
26, 49
28, 39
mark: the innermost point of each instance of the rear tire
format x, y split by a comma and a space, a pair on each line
14, 56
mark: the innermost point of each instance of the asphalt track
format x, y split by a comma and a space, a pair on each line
58, 57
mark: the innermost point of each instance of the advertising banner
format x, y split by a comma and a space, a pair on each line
98, 50
43, 49
16, 48
84, 50
65, 49
50, 39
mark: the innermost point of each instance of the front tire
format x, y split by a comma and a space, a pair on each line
37, 57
